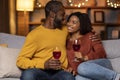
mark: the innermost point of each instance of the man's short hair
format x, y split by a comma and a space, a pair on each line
53, 6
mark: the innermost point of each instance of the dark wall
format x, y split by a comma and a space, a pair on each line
4, 16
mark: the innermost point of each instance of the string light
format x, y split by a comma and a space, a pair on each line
113, 3
77, 3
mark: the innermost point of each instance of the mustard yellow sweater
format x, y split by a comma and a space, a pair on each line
39, 45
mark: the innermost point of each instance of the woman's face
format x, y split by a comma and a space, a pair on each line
73, 24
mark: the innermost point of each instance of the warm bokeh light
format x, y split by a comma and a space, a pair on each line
25, 5
113, 3
77, 3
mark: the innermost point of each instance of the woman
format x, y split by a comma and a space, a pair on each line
89, 62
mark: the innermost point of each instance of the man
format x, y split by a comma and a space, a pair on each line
36, 58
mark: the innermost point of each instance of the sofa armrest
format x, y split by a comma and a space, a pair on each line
13, 41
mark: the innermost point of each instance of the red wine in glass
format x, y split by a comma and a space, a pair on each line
76, 45
76, 48
56, 53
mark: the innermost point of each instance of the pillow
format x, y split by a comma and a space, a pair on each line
115, 64
4, 45
112, 48
8, 66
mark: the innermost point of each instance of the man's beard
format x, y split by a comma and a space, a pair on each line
57, 23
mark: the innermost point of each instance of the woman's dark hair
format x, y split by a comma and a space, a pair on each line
53, 6
85, 23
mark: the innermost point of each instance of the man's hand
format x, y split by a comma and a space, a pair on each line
52, 64
95, 37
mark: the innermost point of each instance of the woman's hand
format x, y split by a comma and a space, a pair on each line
86, 58
79, 56
70, 70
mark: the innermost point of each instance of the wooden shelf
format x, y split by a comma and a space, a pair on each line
39, 7
24, 30
34, 23
106, 24
93, 24
98, 7
87, 7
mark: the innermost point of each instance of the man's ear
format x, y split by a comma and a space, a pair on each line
52, 14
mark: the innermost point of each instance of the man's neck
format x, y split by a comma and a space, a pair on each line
48, 24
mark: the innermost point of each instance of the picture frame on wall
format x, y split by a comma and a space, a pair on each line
112, 32
99, 16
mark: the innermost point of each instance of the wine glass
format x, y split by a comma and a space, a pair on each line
56, 53
76, 47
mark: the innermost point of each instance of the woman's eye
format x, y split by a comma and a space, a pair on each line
74, 22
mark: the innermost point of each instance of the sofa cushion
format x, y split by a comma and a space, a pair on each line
8, 66
10, 79
4, 45
13, 41
112, 48
115, 64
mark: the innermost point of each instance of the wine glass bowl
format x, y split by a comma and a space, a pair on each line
76, 48
76, 45
56, 53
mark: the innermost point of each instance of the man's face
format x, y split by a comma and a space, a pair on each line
59, 18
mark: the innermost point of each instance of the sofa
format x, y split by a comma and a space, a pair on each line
13, 43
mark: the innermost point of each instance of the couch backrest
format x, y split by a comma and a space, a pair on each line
112, 48
13, 41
